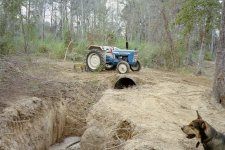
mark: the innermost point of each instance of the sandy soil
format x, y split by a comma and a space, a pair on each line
39, 105
156, 109
151, 112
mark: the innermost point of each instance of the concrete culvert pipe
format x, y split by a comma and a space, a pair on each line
124, 82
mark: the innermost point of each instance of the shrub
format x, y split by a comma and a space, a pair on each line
6, 45
208, 56
43, 49
54, 48
57, 49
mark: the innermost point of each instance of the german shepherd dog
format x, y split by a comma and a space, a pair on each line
205, 134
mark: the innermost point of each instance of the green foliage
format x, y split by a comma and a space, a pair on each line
2, 26
208, 56
149, 54
43, 49
181, 51
81, 47
195, 11
121, 43
54, 48
12, 7
158, 55
67, 37
57, 51
32, 32
5, 45
155, 55
111, 38
9, 10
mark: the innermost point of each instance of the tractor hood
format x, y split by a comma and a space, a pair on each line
125, 50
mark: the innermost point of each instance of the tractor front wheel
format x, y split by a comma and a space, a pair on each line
123, 67
136, 66
95, 60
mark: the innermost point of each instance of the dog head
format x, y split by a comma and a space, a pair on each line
196, 129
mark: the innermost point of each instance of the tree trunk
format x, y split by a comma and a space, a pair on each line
52, 13
24, 33
204, 40
28, 21
71, 17
43, 22
212, 43
188, 60
219, 80
82, 20
62, 21
173, 60
202, 52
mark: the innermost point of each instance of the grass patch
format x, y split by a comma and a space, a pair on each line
54, 48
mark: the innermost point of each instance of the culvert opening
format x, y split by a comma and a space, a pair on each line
124, 83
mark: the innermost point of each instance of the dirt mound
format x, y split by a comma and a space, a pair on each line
14, 82
37, 111
156, 111
32, 124
96, 137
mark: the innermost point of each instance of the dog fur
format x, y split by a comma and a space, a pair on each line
205, 134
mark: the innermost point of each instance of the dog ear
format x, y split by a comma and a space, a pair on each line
199, 117
203, 125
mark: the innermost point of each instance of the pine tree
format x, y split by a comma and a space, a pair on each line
219, 80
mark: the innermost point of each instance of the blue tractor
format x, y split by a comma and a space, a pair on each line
107, 57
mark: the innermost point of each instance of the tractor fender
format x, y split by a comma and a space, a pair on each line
91, 47
107, 49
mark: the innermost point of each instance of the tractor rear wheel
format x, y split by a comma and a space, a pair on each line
95, 60
123, 67
136, 66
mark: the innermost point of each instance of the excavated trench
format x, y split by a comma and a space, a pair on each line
117, 82
32, 124
48, 116
40, 121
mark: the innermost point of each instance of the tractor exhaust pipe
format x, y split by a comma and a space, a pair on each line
127, 45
